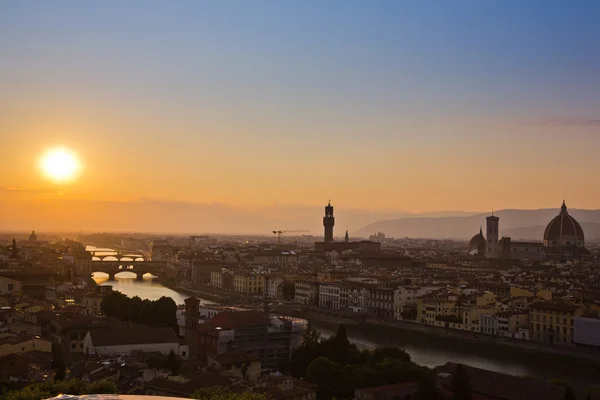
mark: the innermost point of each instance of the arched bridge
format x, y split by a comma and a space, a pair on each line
156, 268
102, 255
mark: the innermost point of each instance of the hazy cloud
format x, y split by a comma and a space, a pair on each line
27, 190
571, 122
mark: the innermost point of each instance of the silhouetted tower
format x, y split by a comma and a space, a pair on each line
492, 236
192, 308
328, 222
14, 250
347, 238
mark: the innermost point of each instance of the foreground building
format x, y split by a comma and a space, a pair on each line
252, 332
130, 339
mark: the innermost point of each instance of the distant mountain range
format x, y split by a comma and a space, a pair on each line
518, 224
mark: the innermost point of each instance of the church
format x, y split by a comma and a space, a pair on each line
563, 239
329, 244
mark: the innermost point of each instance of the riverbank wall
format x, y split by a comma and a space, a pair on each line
452, 336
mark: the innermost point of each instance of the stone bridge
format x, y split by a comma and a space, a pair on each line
126, 257
156, 268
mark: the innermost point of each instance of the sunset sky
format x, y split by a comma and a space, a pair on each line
267, 109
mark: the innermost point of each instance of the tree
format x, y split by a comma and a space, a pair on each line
288, 291
221, 393
310, 336
58, 362
569, 394
427, 389
331, 377
381, 353
49, 389
173, 363
341, 337
461, 384
560, 382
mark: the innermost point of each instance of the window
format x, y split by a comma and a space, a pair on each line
73, 345
11, 287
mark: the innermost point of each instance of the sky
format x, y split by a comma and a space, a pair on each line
267, 109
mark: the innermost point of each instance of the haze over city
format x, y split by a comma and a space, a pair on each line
260, 111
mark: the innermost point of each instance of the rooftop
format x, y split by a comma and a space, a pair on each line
133, 335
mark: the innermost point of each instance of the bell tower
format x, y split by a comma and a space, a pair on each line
492, 236
328, 222
192, 308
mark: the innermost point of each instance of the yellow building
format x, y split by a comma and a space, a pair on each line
471, 317
516, 291
553, 322
433, 305
18, 345
486, 299
245, 282
510, 322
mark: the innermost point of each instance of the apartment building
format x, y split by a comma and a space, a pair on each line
306, 292
329, 295
248, 282
381, 302
553, 322
435, 304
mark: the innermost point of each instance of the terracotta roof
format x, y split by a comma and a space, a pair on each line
548, 305
133, 335
239, 319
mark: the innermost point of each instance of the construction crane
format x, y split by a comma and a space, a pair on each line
278, 234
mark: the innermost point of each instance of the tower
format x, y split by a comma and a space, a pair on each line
492, 236
328, 222
346, 238
192, 309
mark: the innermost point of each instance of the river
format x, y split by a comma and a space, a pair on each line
424, 351
126, 283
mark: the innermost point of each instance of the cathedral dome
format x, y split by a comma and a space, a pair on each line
477, 240
563, 231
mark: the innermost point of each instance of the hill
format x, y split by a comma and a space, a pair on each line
526, 224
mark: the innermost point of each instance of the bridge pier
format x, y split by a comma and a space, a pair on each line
139, 276
111, 276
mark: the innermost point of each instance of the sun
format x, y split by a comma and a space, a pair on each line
59, 164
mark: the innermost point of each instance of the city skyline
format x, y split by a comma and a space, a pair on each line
266, 108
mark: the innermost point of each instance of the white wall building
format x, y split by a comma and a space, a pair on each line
127, 340
587, 331
329, 295
306, 292
8, 285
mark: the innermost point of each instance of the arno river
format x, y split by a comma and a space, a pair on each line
428, 352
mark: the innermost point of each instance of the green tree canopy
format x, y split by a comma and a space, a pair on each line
381, 353
289, 290
221, 393
569, 394
157, 313
427, 388
46, 390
